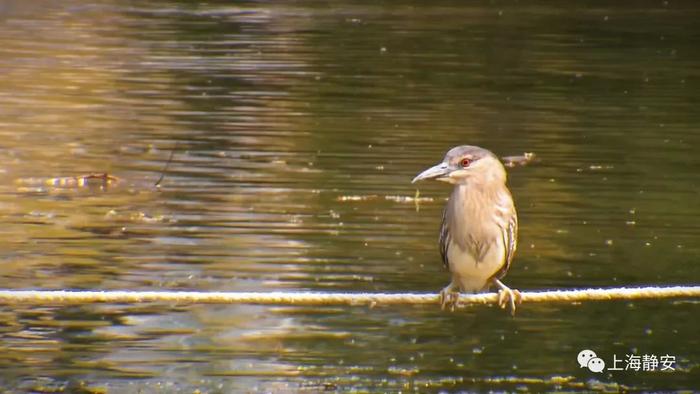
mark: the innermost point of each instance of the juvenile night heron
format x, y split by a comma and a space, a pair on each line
479, 230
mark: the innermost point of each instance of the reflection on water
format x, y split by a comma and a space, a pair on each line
298, 129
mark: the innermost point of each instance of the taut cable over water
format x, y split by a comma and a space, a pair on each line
59, 297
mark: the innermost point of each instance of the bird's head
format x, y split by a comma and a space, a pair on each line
466, 163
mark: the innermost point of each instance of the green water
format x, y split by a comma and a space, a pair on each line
299, 125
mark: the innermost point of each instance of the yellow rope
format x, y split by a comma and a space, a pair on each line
37, 297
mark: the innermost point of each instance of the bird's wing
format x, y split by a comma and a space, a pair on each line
510, 240
444, 238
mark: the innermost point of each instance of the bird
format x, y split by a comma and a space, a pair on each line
479, 230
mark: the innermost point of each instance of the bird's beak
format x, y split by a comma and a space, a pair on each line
435, 172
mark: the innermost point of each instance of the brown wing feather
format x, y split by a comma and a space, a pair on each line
444, 239
510, 240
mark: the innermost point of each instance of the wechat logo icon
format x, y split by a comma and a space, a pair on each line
588, 359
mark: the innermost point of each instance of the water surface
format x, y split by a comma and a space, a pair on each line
298, 127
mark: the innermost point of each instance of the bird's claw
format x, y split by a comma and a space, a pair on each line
448, 299
509, 297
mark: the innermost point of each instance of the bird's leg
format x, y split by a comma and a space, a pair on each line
449, 296
506, 295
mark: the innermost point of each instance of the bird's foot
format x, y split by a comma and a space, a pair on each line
449, 297
509, 297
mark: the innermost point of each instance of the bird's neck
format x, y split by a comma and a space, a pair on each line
480, 200
485, 188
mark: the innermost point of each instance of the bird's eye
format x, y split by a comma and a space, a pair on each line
465, 163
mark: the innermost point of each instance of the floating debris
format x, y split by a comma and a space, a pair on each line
357, 198
395, 198
101, 180
137, 217
403, 371
518, 160
596, 167
408, 199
